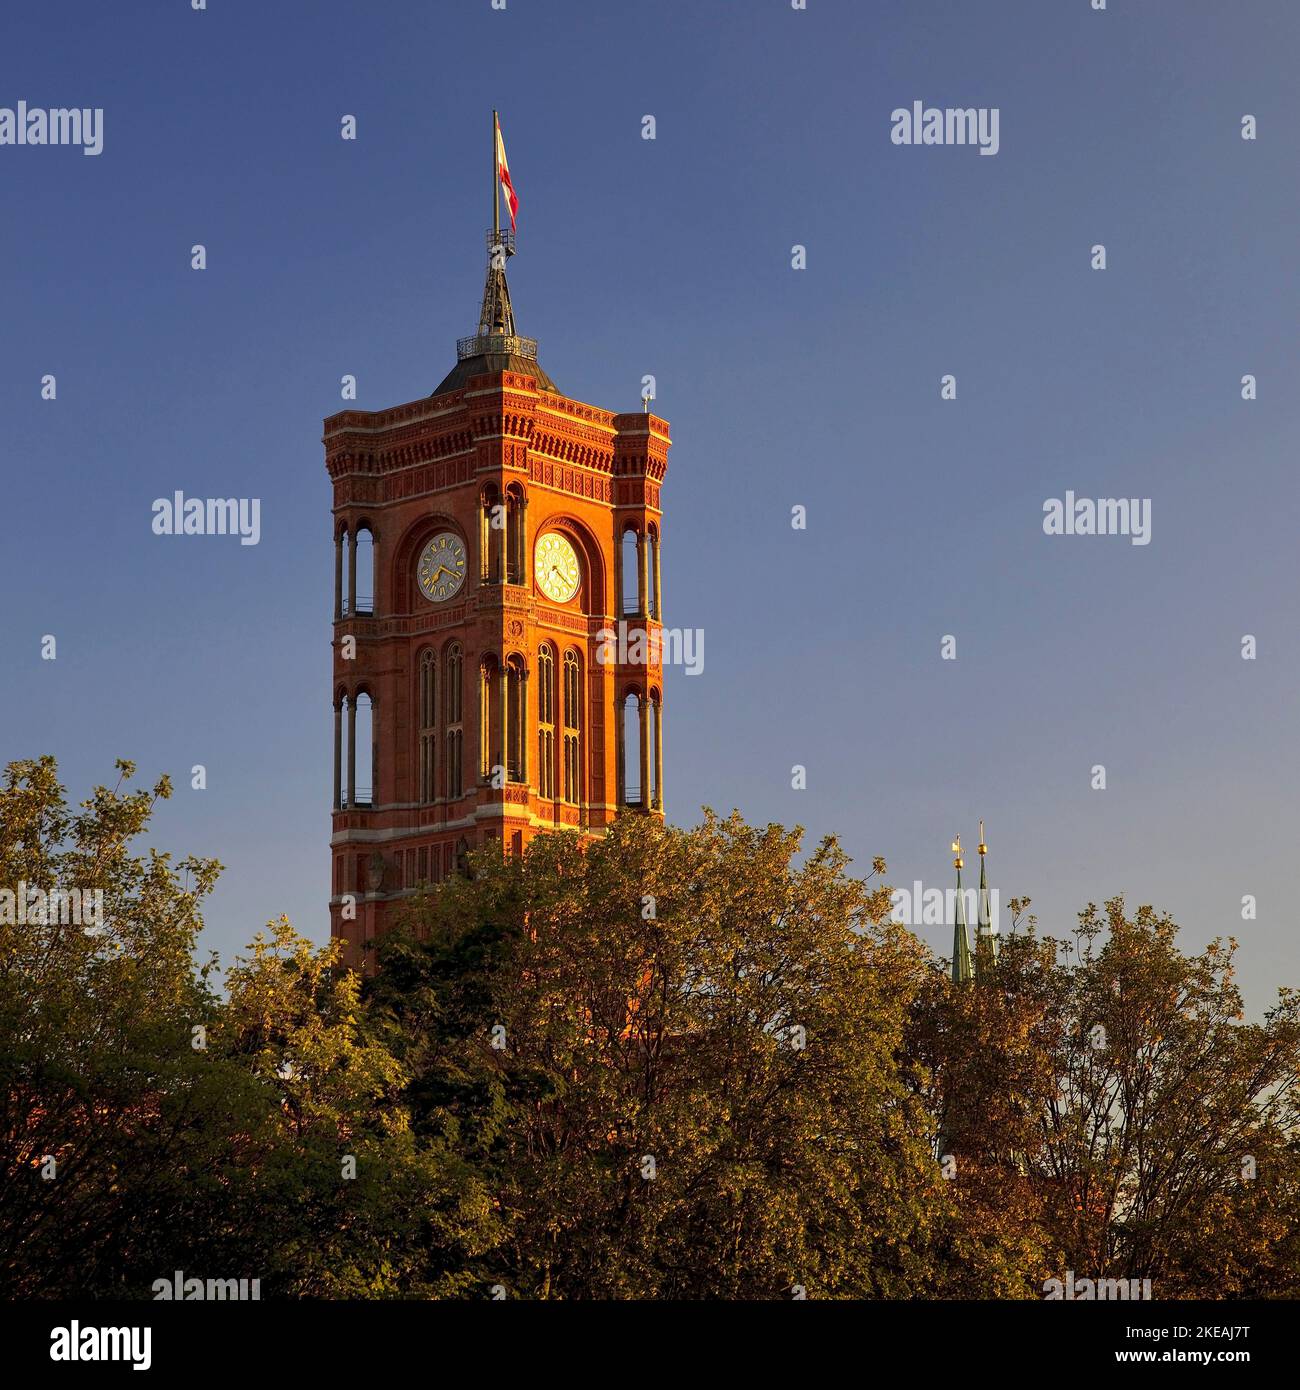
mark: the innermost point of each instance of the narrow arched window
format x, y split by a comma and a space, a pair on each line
452, 705
492, 537
489, 732
516, 721
628, 734
428, 707
363, 579
363, 794
572, 728
340, 561
630, 575
656, 770
514, 537
546, 723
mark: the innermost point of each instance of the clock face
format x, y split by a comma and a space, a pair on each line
441, 570
557, 570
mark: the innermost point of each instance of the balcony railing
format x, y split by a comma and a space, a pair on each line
365, 608
505, 343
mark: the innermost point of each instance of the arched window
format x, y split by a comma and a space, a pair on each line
656, 769
572, 728
492, 537
516, 505
629, 559
453, 698
628, 733
340, 725
340, 563
546, 723
516, 720
489, 729
652, 564
428, 706
363, 792
362, 574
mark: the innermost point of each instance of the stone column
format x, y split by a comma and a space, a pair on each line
620, 756
338, 757
374, 751
658, 603
352, 750
352, 583
503, 707
618, 575
659, 755
643, 710
485, 722
524, 726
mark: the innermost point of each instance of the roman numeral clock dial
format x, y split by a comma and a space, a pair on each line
557, 570
441, 570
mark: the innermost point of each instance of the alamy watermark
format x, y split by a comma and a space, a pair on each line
29, 906
919, 906
1102, 516
1095, 1290
638, 646
76, 1343
179, 515
951, 125
179, 1288
60, 125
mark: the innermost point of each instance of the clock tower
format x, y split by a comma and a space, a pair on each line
489, 541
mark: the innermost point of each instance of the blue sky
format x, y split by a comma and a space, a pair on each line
817, 388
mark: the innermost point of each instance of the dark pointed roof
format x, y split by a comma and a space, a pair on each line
496, 347
495, 354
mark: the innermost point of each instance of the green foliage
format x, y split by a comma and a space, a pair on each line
1108, 1105
223, 1160
690, 1000
661, 1064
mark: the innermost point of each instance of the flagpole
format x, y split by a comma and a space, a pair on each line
496, 188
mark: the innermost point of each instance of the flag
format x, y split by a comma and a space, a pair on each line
503, 173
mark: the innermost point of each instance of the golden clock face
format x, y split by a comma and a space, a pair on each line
557, 570
441, 570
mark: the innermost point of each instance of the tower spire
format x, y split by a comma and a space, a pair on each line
497, 346
497, 317
962, 965
986, 939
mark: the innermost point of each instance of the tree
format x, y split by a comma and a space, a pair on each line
148, 1124
662, 1064
1111, 1091
672, 1057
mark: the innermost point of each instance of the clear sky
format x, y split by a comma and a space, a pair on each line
818, 388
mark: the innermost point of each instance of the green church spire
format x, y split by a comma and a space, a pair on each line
963, 968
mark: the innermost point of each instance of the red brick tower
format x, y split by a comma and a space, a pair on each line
497, 517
